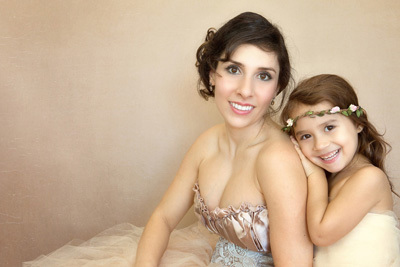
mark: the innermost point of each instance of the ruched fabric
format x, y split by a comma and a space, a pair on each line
246, 226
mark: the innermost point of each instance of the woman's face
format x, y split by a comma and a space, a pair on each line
245, 85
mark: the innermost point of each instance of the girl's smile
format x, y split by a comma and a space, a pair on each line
330, 157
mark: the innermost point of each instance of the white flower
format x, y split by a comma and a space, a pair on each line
334, 110
289, 123
353, 107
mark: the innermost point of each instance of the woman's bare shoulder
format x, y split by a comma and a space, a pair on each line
210, 135
277, 148
208, 139
278, 158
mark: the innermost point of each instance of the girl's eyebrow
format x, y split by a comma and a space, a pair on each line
328, 121
299, 133
242, 65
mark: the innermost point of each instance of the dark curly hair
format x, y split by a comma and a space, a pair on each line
246, 28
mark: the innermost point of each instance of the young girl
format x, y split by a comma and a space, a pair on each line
349, 205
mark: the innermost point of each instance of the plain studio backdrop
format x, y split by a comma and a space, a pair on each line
98, 101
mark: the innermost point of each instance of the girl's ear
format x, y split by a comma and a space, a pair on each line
359, 128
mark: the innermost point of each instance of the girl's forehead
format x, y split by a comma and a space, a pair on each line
301, 108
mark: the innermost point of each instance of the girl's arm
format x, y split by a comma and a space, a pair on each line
330, 221
317, 199
284, 186
173, 206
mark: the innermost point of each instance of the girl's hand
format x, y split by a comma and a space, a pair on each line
308, 166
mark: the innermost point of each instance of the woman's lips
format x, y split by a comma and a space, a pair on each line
241, 108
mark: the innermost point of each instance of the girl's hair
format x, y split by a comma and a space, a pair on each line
339, 92
246, 28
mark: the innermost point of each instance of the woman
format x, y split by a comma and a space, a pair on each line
244, 175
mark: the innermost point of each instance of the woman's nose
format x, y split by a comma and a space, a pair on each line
245, 88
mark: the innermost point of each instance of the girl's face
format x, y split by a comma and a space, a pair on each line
330, 141
245, 85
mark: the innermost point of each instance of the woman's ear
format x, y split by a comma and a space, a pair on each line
212, 78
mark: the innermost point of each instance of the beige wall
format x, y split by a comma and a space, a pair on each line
98, 101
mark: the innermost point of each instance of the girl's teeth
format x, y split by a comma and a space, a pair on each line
331, 155
242, 108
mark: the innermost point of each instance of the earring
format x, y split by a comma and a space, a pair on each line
212, 87
273, 101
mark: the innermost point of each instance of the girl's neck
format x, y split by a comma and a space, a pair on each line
359, 161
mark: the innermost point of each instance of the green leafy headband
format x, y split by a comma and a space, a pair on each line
359, 111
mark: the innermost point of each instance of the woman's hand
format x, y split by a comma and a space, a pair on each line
308, 166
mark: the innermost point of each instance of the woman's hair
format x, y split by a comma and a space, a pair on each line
339, 92
246, 28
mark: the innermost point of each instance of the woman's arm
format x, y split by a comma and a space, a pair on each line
173, 206
284, 185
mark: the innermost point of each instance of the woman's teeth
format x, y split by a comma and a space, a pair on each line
331, 155
242, 108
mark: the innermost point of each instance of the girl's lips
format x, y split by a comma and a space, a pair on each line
240, 108
331, 156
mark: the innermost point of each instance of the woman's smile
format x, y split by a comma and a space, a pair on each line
241, 108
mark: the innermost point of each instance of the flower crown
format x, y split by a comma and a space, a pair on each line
359, 111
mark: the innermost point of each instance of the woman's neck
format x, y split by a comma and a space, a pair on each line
239, 139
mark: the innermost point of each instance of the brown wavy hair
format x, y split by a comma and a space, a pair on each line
246, 28
337, 91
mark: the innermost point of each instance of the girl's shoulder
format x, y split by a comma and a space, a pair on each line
370, 185
369, 178
373, 173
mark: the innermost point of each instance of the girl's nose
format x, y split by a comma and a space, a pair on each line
320, 142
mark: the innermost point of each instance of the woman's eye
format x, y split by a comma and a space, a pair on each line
305, 136
233, 70
329, 128
264, 76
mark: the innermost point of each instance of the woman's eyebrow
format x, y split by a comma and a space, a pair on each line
242, 65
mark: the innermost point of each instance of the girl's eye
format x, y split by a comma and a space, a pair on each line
233, 69
264, 76
305, 136
329, 128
